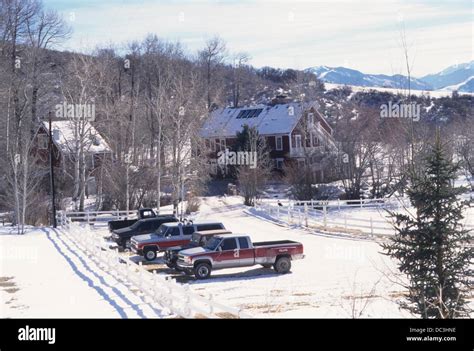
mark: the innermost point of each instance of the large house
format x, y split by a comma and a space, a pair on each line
295, 132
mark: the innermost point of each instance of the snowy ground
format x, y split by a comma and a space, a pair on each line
338, 277
43, 274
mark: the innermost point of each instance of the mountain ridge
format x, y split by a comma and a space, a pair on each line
456, 77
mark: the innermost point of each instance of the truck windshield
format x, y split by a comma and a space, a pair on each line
195, 239
213, 243
161, 230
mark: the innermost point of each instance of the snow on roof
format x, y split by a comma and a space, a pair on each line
65, 132
269, 120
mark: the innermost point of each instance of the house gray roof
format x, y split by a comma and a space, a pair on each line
269, 120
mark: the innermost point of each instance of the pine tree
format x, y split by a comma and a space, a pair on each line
431, 246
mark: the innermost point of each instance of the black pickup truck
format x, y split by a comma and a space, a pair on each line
143, 226
142, 213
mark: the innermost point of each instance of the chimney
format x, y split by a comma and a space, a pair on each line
56, 134
279, 100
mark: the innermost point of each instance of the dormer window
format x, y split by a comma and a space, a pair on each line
310, 119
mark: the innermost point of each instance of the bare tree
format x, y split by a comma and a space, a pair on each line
240, 60
211, 56
80, 88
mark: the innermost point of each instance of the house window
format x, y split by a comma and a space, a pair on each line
279, 143
279, 163
310, 119
42, 141
298, 141
222, 145
213, 145
315, 140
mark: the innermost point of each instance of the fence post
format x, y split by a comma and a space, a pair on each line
187, 302
289, 215
325, 216
371, 227
140, 276
338, 204
211, 306
345, 221
306, 214
87, 214
127, 263
360, 201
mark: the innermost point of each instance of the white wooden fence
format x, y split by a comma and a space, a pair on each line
340, 204
309, 215
164, 291
93, 217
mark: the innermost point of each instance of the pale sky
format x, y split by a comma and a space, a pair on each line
363, 35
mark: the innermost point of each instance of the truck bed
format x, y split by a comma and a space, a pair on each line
114, 225
275, 243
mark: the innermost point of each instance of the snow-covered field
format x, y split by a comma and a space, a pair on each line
43, 274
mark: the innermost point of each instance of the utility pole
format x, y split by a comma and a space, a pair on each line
53, 190
128, 161
182, 199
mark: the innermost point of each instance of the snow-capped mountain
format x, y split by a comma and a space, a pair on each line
342, 75
458, 77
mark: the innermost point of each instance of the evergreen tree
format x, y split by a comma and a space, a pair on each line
252, 180
431, 245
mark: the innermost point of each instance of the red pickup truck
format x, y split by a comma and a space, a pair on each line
232, 251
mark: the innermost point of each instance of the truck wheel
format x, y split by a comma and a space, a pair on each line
267, 266
202, 270
282, 265
150, 254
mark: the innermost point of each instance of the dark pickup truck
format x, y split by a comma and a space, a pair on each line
143, 226
197, 239
142, 213
169, 235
